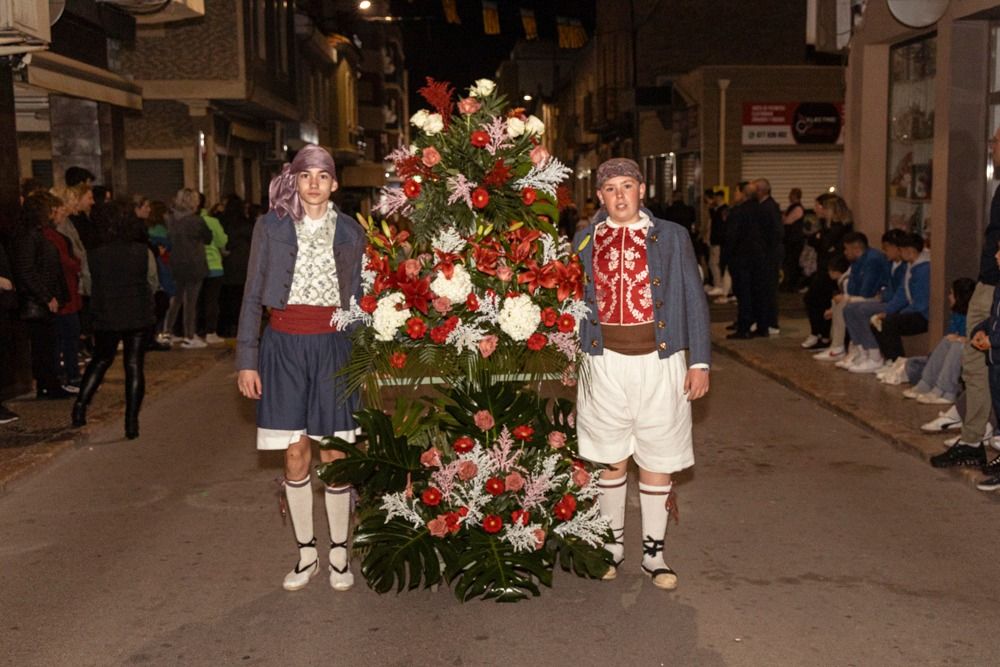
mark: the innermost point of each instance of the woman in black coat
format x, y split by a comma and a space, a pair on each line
41, 288
123, 277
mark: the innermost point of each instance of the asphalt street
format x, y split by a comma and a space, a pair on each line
804, 540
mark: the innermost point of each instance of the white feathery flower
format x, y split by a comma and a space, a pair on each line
575, 307
465, 337
521, 537
534, 125
456, 288
519, 317
397, 504
589, 526
550, 249
448, 240
545, 176
389, 316
489, 309
341, 318
368, 279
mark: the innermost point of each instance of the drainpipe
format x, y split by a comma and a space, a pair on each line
723, 84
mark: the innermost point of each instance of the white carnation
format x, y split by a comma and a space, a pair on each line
534, 125
519, 317
515, 126
482, 88
433, 125
456, 288
420, 118
389, 316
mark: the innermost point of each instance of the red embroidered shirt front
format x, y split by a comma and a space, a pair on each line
621, 274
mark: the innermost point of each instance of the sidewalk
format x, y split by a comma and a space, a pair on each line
861, 398
43, 431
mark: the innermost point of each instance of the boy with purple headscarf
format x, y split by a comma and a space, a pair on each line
305, 262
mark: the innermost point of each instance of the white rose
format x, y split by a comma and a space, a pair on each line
534, 125
419, 119
482, 88
456, 288
519, 317
515, 126
388, 317
434, 124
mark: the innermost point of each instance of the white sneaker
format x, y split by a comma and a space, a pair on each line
945, 421
954, 440
830, 354
867, 366
810, 341
297, 579
714, 291
176, 339
193, 343
341, 581
933, 399
214, 339
164, 338
773, 331
912, 392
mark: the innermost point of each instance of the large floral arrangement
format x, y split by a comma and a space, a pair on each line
479, 277
468, 281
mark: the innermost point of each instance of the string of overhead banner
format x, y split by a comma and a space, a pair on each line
570, 31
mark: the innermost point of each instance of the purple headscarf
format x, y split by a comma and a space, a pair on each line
283, 192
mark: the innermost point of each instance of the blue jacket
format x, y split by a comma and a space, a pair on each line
679, 304
269, 275
956, 324
915, 294
897, 274
870, 273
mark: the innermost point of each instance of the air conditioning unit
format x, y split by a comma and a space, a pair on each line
24, 26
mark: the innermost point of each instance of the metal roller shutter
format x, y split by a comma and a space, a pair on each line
815, 172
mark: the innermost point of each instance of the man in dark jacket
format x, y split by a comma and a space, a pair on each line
7, 302
744, 254
772, 235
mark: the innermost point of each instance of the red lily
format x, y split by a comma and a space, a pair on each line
417, 293
569, 278
446, 262
535, 277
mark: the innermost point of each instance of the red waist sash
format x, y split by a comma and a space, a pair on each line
301, 319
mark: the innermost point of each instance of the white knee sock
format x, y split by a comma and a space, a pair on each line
338, 514
300, 509
652, 500
612, 504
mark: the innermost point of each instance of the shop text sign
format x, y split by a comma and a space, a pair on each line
792, 123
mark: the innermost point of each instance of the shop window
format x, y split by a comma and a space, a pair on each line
911, 134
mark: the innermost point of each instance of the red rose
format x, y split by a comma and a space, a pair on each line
397, 359
528, 196
416, 328
369, 303
492, 523
520, 516
480, 198
472, 302
411, 188
536, 341
494, 486
479, 139
523, 432
566, 323
549, 317
437, 526
439, 334
430, 497
463, 444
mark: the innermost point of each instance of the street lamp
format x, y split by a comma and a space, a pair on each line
527, 98
365, 5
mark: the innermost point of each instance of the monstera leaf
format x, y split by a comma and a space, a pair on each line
490, 569
508, 402
395, 555
383, 464
577, 556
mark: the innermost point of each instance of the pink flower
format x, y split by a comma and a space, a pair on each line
581, 477
412, 268
484, 420
514, 481
431, 458
467, 470
504, 273
539, 155
442, 304
487, 345
469, 105
431, 157
539, 538
438, 527
557, 439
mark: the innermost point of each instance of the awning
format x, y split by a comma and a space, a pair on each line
59, 74
367, 175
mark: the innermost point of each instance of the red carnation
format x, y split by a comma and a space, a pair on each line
369, 303
565, 508
416, 328
411, 188
528, 196
397, 359
494, 486
549, 317
536, 341
492, 523
463, 511
430, 497
480, 198
479, 139
566, 323
523, 432
463, 444
451, 521
472, 302
439, 334
520, 516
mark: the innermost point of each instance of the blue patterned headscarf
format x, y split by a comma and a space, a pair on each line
283, 192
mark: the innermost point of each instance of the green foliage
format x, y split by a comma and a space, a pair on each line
577, 556
395, 555
490, 569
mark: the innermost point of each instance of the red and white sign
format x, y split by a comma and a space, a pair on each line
792, 123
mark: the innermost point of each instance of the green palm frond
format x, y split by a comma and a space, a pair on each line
490, 569
395, 555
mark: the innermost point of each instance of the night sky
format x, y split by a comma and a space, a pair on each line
462, 53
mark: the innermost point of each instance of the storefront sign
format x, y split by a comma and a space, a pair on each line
792, 123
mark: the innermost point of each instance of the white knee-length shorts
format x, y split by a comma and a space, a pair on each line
634, 405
